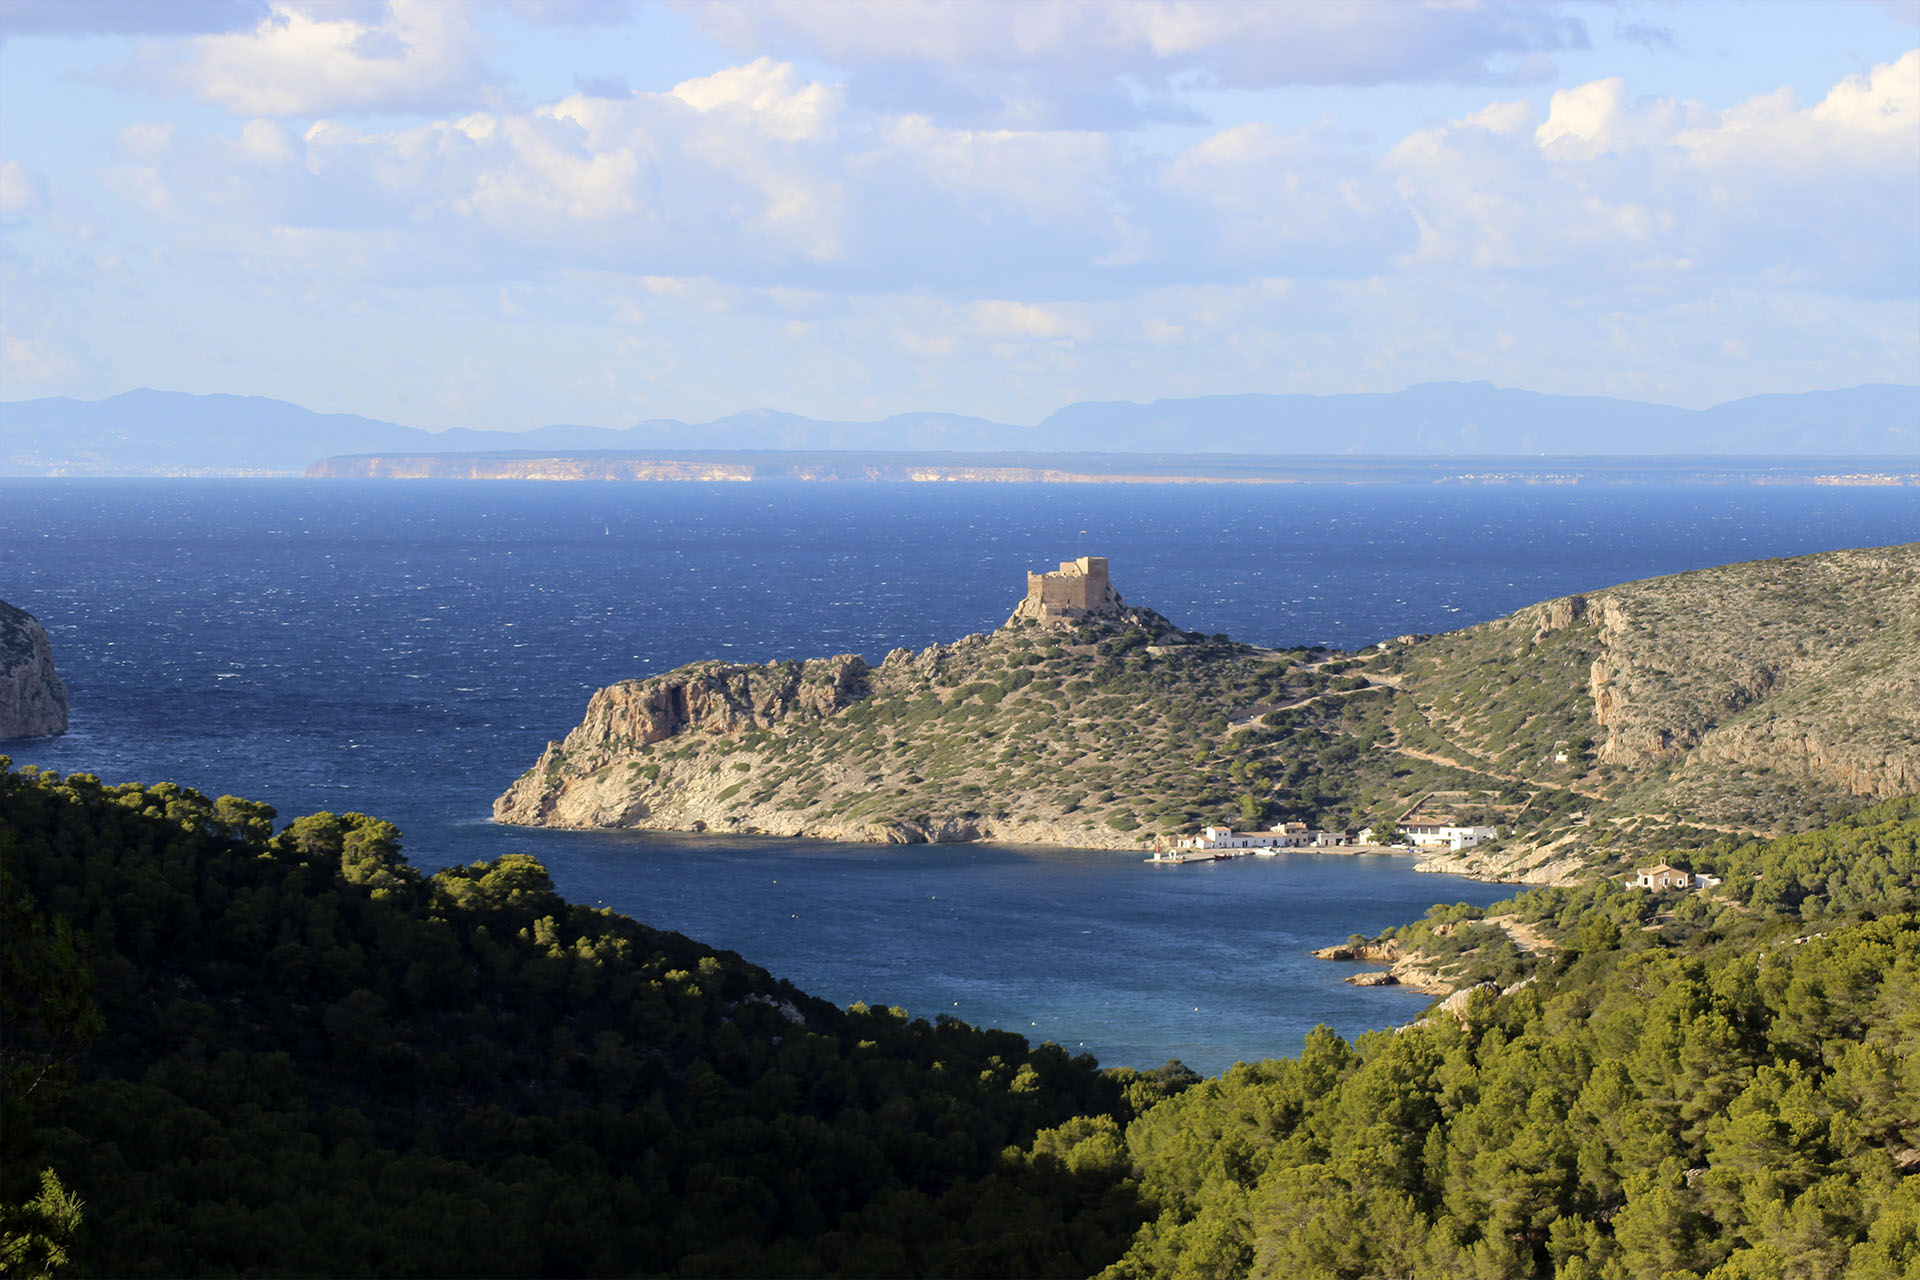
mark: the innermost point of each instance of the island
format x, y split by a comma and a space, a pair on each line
1749, 699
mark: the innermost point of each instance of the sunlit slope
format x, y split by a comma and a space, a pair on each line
1752, 697
1096, 735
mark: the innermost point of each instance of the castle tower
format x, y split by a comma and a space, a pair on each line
1078, 589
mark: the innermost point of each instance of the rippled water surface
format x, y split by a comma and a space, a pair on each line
406, 649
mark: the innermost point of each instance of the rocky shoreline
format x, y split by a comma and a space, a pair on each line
1413, 970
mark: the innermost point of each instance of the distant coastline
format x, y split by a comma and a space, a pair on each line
838, 466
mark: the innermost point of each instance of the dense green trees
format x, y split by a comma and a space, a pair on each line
238, 1050
312, 1059
1674, 1094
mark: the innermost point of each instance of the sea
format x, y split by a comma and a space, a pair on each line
407, 648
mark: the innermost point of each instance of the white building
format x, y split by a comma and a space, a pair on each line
1444, 833
1290, 835
1660, 877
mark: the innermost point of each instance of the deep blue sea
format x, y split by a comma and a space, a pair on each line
407, 649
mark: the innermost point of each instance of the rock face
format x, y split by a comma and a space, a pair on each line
575, 783
33, 699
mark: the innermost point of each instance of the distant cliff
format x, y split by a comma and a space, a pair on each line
1747, 698
33, 699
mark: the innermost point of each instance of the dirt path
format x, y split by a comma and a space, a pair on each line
1258, 709
1481, 767
1524, 935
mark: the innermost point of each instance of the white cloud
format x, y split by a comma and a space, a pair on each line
1887, 99
21, 189
1001, 319
308, 58
1053, 63
760, 209
1299, 200
771, 94
265, 142
30, 363
1622, 193
145, 140
1361, 41
757, 176
1050, 175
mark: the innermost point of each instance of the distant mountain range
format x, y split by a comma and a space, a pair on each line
173, 433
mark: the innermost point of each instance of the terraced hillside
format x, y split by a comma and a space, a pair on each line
1752, 697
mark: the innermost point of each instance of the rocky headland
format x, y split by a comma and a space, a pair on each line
33, 698
1436, 958
1746, 699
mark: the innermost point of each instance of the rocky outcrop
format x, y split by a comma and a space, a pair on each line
715, 697
1561, 861
1415, 970
1378, 951
33, 699
574, 783
922, 749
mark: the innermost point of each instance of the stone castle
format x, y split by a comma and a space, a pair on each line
1080, 589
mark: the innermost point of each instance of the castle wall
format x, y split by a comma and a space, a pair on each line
1079, 587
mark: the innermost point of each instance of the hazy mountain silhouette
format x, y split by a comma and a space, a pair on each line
166, 432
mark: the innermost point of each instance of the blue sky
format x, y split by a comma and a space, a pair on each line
517, 213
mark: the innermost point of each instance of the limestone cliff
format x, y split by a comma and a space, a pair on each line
33, 699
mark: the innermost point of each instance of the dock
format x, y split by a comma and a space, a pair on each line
1197, 855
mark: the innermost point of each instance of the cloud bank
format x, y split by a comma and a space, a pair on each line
967, 205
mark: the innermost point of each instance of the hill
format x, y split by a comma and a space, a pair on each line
260, 1052
235, 1050
1752, 697
1479, 418
1674, 1086
147, 432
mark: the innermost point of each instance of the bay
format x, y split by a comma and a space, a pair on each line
406, 649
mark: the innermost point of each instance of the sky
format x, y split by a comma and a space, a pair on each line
512, 213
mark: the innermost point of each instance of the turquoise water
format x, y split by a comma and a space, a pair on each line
407, 649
